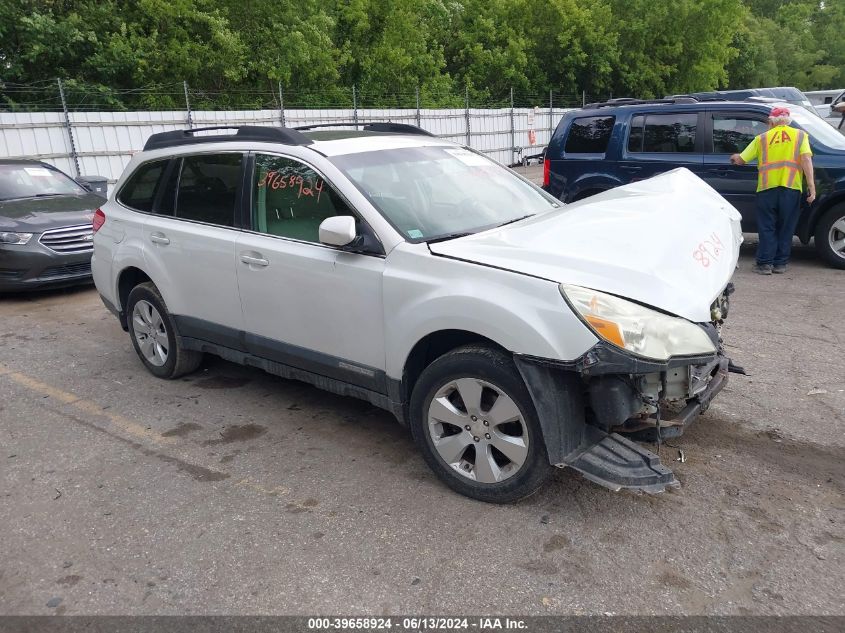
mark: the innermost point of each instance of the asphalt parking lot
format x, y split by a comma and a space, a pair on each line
232, 491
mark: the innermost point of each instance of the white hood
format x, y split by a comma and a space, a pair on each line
670, 241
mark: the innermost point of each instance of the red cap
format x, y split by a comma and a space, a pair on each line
779, 111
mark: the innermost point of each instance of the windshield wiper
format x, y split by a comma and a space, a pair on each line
30, 197
530, 215
450, 236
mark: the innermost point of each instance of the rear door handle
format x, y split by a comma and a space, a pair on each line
254, 260
159, 238
631, 167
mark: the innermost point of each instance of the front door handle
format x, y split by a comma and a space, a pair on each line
631, 167
254, 260
159, 238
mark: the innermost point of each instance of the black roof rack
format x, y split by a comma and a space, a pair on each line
623, 101
283, 135
377, 126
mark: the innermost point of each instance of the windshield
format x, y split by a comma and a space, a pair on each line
439, 192
819, 129
32, 180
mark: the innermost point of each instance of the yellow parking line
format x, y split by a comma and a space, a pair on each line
134, 429
86, 406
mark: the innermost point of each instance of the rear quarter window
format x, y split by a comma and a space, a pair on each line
589, 135
139, 192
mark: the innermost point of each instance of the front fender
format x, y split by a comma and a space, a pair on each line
424, 293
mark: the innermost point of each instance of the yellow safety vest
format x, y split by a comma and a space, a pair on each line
780, 158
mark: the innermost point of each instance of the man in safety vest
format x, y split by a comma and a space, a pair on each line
782, 154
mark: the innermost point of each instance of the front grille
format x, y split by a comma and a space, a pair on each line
11, 273
69, 239
68, 270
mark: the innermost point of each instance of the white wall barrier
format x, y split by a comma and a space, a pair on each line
105, 141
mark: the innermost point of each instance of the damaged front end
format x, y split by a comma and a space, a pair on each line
591, 409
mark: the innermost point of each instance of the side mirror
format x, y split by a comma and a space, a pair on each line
338, 230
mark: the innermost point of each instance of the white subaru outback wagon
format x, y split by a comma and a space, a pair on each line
510, 332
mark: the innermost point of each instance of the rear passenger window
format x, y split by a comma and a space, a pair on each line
589, 135
291, 200
663, 133
208, 186
140, 190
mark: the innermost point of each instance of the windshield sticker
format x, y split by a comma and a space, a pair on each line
39, 172
415, 233
469, 158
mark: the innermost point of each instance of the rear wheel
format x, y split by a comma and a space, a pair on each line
474, 421
153, 334
830, 236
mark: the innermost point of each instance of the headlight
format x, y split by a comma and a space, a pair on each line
15, 238
637, 329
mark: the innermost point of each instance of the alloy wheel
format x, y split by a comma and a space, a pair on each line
150, 333
478, 430
836, 237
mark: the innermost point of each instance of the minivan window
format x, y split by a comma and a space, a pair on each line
589, 135
732, 134
208, 186
140, 190
663, 133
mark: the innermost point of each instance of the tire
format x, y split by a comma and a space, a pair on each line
586, 194
153, 334
484, 375
830, 236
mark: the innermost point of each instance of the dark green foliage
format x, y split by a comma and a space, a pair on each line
115, 54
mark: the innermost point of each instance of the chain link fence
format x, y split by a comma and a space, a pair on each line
93, 130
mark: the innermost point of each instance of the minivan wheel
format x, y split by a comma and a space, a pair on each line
830, 236
153, 334
474, 421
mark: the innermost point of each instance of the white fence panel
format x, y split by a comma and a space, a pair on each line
106, 141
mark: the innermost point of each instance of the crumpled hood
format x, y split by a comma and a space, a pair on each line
671, 242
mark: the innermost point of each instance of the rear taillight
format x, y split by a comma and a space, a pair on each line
546, 166
98, 220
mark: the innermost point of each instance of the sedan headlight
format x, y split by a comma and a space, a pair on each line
637, 329
15, 238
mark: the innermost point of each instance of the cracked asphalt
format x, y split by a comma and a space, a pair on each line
231, 491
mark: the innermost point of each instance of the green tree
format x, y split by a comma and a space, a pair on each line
390, 48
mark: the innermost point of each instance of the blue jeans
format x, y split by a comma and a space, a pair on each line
778, 210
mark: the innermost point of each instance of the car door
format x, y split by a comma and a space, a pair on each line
729, 133
306, 304
661, 141
190, 245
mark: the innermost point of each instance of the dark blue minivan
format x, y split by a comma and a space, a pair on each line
613, 143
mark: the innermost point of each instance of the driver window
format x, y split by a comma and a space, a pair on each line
291, 200
733, 134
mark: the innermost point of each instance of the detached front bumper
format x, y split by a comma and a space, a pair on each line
591, 408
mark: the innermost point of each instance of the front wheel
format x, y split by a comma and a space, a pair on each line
473, 419
830, 236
